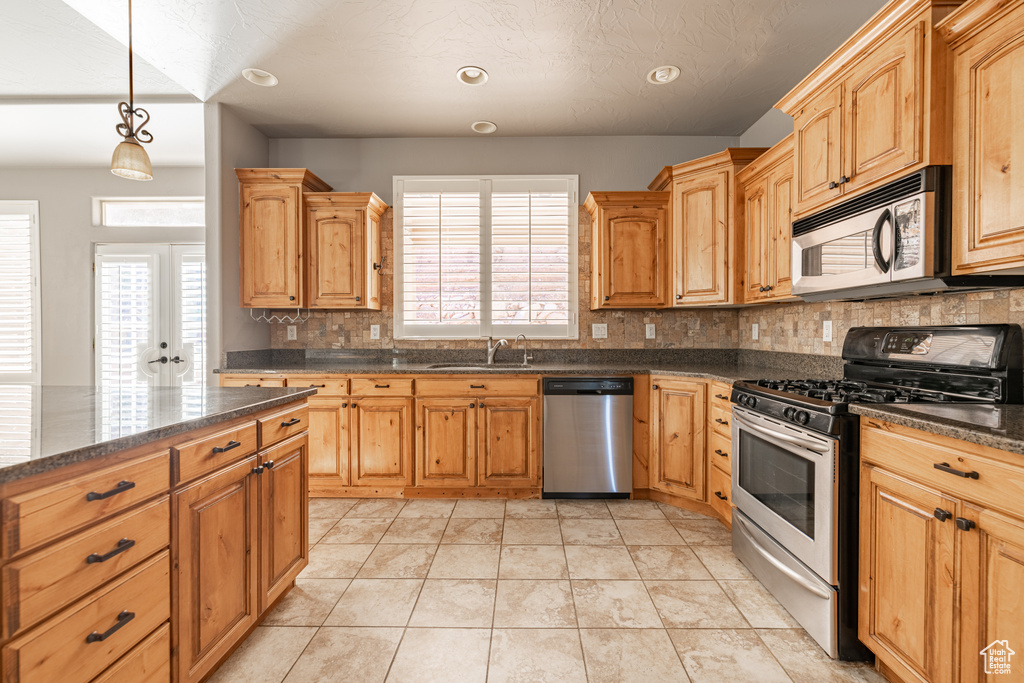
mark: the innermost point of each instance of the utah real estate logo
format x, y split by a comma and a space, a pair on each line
997, 657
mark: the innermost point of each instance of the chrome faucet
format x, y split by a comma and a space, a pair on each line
526, 359
492, 348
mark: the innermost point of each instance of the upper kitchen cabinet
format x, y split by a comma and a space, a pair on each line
767, 189
879, 107
707, 210
271, 222
629, 252
343, 233
988, 43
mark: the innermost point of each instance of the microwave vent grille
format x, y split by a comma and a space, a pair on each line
881, 197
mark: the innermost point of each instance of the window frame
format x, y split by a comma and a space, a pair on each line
30, 207
486, 328
98, 204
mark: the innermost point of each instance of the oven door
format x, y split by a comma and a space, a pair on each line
784, 480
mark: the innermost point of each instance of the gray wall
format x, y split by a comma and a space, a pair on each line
66, 247
768, 129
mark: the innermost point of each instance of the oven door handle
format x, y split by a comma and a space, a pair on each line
801, 581
876, 241
817, 447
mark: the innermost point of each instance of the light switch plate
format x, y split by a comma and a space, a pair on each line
292, 334
754, 331
374, 331
652, 331
599, 330
826, 331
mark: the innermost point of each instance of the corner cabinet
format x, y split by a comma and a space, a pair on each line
343, 234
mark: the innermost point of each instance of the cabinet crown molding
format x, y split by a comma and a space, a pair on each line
647, 199
731, 156
972, 17
780, 153
322, 200
295, 176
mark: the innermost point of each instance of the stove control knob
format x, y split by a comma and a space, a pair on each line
803, 417
751, 401
788, 413
741, 399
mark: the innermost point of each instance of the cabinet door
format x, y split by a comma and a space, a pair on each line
337, 258
758, 240
988, 233
215, 568
678, 451
446, 442
509, 442
883, 111
284, 512
818, 155
381, 442
700, 238
271, 246
907, 564
780, 231
632, 260
329, 440
992, 593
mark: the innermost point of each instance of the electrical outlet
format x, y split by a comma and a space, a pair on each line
754, 331
826, 331
599, 331
652, 331
292, 334
374, 331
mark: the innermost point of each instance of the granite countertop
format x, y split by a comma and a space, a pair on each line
65, 424
998, 426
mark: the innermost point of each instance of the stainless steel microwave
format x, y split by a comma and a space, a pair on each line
892, 241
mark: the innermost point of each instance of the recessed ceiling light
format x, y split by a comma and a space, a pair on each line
471, 75
484, 127
260, 77
663, 75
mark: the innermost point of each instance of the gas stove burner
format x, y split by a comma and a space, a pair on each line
854, 391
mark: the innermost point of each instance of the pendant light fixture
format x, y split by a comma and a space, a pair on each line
130, 159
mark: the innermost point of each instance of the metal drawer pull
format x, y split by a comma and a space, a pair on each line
964, 524
122, 545
289, 423
317, 386
225, 449
719, 494
718, 451
721, 421
724, 398
381, 386
120, 488
944, 466
942, 515
253, 385
122, 619
477, 386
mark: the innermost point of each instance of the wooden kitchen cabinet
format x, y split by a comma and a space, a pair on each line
678, 437
446, 442
272, 250
988, 214
382, 441
329, 442
510, 437
629, 249
284, 514
343, 236
817, 130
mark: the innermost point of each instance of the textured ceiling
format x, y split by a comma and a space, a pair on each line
385, 68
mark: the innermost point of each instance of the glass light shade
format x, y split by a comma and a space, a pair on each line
131, 161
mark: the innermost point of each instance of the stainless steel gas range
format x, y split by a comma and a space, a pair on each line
795, 444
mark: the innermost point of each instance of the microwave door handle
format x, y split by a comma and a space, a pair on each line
876, 241
796, 441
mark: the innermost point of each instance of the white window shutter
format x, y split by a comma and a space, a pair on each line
19, 292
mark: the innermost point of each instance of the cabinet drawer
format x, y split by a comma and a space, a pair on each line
323, 386
382, 386
148, 662
721, 419
280, 426
89, 636
720, 392
253, 381
479, 386
720, 451
200, 456
720, 492
38, 585
33, 518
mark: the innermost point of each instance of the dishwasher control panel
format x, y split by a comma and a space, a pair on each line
577, 386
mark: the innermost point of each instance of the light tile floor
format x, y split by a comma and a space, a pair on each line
526, 590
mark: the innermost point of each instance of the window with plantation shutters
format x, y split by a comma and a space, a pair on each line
19, 292
479, 257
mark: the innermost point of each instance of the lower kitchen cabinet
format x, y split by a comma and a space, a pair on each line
446, 442
382, 441
509, 431
677, 442
284, 504
329, 442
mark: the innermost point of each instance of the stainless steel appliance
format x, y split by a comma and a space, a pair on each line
588, 437
795, 444
890, 241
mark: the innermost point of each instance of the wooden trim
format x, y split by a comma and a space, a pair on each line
348, 200
779, 154
473, 492
291, 176
973, 17
731, 156
678, 502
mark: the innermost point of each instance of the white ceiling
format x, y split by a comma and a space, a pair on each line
386, 68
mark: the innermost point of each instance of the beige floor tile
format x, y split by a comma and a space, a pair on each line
582, 509
600, 562
318, 526
308, 603
703, 532
473, 530
694, 604
344, 654
668, 563
398, 562
590, 532
415, 530
528, 603
529, 655
533, 562
465, 562
635, 509
674, 513
452, 655
479, 509
265, 656
376, 602
630, 655
530, 509
531, 532
714, 655
330, 508
385, 508
648, 532
335, 561
760, 608
614, 604
428, 508
804, 660
357, 531
721, 562
454, 603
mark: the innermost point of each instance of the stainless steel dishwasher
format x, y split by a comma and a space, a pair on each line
588, 437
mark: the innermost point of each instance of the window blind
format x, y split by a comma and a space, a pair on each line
19, 292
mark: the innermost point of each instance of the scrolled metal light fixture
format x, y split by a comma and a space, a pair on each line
130, 159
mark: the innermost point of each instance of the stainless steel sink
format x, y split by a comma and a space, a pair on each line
463, 366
